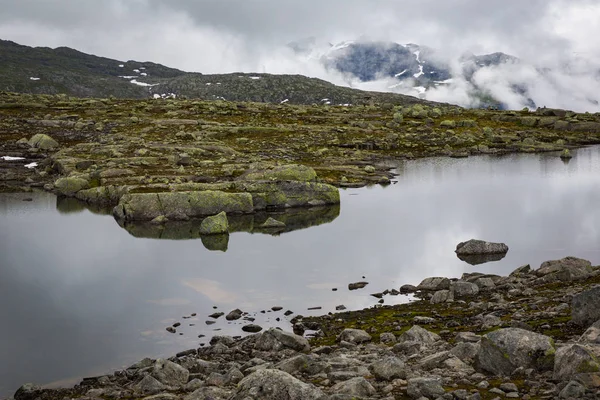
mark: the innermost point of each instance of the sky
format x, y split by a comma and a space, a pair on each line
218, 36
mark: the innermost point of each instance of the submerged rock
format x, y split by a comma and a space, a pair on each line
474, 246
273, 223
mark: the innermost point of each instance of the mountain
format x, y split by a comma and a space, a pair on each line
42, 70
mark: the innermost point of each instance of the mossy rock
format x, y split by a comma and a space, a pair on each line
448, 124
43, 142
215, 225
299, 173
71, 185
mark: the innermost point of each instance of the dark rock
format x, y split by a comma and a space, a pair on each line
170, 329
234, 315
357, 285
216, 315
252, 328
473, 246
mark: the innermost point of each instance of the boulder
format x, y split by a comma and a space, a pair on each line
355, 387
504, 350
181, 205
215, 225
275, 340
170, 374
428, 387
43, 142
355, 336
573, 390
388, 368
473, 247
441, 296
434, 284
419, 335
585, 307
463, 289
148, 386
275, 384
71, 185
591, 335
574, 359
565, 270
234, 315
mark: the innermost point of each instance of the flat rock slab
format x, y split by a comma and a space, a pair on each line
478, 247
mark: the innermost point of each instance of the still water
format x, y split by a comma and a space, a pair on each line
80, 295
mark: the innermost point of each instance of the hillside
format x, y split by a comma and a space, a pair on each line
63, 70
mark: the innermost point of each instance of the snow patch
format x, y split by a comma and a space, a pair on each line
32, 165
417, 54
208, 83
418, 74
142, 68
401, 73
218, 83
144, 74
137, 71
128, 76
342, 45
9, 158
420, 89
121, 66
255, 77
284, 101
143, 83
34, 79
157, 96
444, 82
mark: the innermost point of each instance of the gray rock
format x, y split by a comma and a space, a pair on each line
358, 386
434, 284
209, 392
465, 351
419, 335
485, 283
475, 247
27, 391
215, 225
71, 185
357, 285
149, 385
162, 396
428, 387
463, 289
504, 350
389, 368
565, 270
572, 360
234, 315
169, 373
387, 338
252, 328
521, 271
275, 340
573, 390
592, 334
43, 142
276, 385
355, 336
441, 296
585, 308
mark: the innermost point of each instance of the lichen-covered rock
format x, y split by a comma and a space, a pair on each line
170, 374
463, 289
419, 335
434, 284
572, 360
215, 225
585, 307
43, 142
275, 340
355, 387
355, 336
565, 270
288, 194
181, 205
389, 368
473, 247
102, 195
428, 387
299, 173
71, 185
504, 350
275, 384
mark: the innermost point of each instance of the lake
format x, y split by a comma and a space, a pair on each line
81, 296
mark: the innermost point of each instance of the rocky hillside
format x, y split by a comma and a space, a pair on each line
63, 70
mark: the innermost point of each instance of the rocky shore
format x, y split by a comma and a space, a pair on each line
534, 334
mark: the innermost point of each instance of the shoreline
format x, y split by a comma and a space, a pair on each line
428, 347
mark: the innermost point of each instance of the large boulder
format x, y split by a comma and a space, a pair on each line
181, 205
463, 289
572, 360
566, 270
355, 387
355, 336
585, 307
473, 247
504, 350
215, 225
434, 284
419, 335
170, 374
275, 340
71, 185
43, 142
277, 385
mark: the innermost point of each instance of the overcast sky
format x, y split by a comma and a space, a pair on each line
212, 36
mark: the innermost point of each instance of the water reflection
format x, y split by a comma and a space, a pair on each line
477, 259
80, 295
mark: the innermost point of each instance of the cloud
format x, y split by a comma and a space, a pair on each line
216, 36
